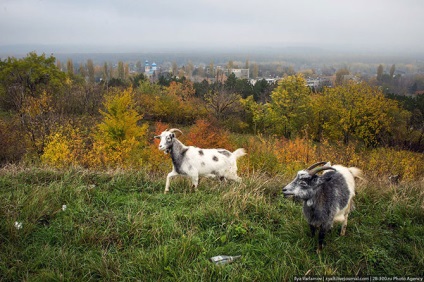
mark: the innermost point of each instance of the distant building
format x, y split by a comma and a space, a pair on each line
350, 78
240, 73
269, 80
313, 83
318, 83
150, 70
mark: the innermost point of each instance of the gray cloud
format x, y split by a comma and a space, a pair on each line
390, 24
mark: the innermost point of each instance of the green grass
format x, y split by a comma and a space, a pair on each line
121, 227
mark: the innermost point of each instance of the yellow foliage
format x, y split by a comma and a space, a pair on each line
119, 139
65, 148
260, 157
385, 161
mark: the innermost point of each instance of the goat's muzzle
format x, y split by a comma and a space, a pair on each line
286, 192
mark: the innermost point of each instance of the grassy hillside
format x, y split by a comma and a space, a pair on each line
119, 226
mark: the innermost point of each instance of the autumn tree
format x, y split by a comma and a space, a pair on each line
105, 73
256, 113
287, 111
211, 69
38, 118
90, 71
255, 70
262, 91
118, 138
28, 77
111, 71
70, 68
175, 103
230, 65
82, 71
121, 71
220, 102
189, 69
183, 90
174, 68
340, 74
59, 65
139, 67
392, 71
380, 70
355, 111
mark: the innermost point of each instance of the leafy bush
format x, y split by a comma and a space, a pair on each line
66, 148
12, 142
204, 134
119, 139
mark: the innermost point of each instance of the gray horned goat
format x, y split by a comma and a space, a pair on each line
328, 198
194, 162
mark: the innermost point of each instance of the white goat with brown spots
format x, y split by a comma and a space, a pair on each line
194, 162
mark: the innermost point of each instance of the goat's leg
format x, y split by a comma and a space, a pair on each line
232, 176
195, 181
168, 179
344, 224
321, 236
313, 230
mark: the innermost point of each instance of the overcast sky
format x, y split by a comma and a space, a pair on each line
140, 25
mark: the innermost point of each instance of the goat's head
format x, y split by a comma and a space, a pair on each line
167, 139
307, 180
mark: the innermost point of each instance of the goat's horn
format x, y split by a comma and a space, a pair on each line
315, 165
315, 171
174, 130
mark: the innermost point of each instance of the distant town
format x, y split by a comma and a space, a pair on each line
400, 75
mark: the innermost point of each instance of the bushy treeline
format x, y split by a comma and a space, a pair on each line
63, 119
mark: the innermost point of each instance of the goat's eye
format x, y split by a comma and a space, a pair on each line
303, 183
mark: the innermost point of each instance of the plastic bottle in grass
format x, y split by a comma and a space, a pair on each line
219, 260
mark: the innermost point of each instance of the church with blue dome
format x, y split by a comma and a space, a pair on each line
149, 69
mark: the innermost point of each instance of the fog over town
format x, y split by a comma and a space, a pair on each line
365, 27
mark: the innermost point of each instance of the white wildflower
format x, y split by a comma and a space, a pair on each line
64, 207
18, 225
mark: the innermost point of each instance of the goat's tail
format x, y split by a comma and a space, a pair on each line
239, 153
356, 172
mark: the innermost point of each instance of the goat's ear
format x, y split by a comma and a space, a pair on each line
323, 179
157, 137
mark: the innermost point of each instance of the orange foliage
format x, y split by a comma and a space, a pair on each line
206, 135
184, 91
298, 150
